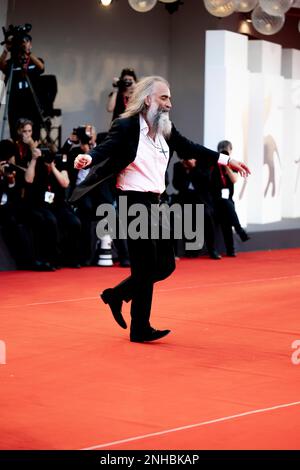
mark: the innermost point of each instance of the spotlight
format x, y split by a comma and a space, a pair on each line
105, 3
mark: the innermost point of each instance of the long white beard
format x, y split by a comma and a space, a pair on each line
159, 120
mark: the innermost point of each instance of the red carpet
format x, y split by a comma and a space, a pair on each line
223, 379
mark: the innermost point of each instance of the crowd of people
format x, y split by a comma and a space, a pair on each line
49, 196
214, 188
42, 230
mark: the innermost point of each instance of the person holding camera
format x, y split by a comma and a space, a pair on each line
83, 139
16, 231
26, 153
73, 141
123, 88
223, 180
47, 180
8, 223
25, 68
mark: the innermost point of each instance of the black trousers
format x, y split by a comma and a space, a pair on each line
56, 232
151, 260
228, 219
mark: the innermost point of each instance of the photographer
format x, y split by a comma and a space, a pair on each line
16, 234
59, 229
222, 186
7, 170
18, 62
26, 147
86, 210
73, 141
123, 89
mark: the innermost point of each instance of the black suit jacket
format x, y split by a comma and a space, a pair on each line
119, 149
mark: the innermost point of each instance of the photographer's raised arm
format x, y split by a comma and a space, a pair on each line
38, 62
111, 101
30, 171
61, 176
33, 144
112, 97
3, 60
2, 167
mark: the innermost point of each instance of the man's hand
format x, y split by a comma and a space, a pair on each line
36, 153
3, 164
29, 141
189, 164
82, 160
115, 82
240, 167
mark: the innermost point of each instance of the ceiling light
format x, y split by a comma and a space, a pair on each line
105, 3
142, 6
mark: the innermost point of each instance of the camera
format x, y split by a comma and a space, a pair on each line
47, 154
79, 131
83, 137
9, 168
123, 84
14, 37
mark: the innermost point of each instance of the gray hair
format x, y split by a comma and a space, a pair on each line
143, 88
22, 122
224, 145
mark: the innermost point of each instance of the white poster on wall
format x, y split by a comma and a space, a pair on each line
291, 150
265, 148
226, 101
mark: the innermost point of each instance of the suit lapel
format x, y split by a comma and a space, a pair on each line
113, 164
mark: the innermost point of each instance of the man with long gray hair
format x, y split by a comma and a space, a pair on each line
137, 151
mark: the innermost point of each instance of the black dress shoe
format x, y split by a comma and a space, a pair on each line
43, 266
214, 255
74, 265
244, 235
231, 254
150, 335
115, 305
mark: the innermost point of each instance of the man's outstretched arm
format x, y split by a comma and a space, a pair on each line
239, 166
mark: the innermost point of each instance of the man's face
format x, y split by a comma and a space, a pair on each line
91, 132
26, 132
160, 98
159, 105
26, 46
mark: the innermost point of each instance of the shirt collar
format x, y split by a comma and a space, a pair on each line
144, 128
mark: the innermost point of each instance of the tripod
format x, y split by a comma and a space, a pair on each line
44, 121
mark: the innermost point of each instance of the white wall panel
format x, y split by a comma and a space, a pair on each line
265, 132
290, 66
265, 148
291, 150
226, 100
